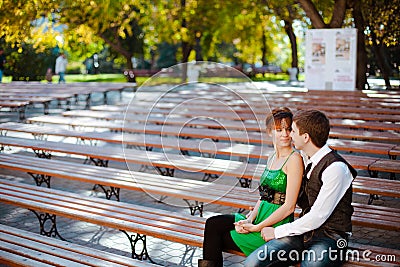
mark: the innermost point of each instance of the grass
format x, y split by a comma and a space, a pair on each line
72, 78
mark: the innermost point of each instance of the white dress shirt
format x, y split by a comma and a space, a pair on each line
336, 179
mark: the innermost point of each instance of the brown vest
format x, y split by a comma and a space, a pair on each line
340, 219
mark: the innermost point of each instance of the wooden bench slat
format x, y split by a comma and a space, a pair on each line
192, 163
99, 201
231, 135
111, 221
128, 214
358, 218
181, 162
11, 259
230, 149
100, 219
384, 165
177, 187
65, 250
25, 163
28, 252
221, 124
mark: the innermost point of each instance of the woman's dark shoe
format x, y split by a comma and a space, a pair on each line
207, 263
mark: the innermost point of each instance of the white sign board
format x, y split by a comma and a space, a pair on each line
331, 57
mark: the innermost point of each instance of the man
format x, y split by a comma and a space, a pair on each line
319, 237
61, 67
2, 62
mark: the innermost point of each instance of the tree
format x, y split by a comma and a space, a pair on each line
30, 64
135, 28
361, 80
382, 25
289, 13
119, 23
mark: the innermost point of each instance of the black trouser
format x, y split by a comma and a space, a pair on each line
217, 237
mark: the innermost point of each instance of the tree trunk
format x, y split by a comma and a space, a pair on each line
312, 13
264, 49
293, 43
185, 46
118, 47
199, 56
380, 60
339, 12
129, 64
361, 78
338, 15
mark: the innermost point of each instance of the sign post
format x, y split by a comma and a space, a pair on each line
331, 57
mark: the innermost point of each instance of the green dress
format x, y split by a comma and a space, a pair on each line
277, 180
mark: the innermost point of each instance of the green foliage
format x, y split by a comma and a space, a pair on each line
167, 55
382, 19
136, 27
29, 65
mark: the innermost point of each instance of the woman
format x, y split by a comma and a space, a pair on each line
279, 188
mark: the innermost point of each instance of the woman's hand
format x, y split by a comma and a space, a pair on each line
246, 226
251, 227
240, 229
239, 226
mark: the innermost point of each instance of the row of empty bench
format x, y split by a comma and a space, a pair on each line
155, 222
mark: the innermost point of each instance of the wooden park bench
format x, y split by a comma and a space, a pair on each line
45, 101
47, 204
186, 146
166, 163
45, 98
144, 109
205, 147
376, 187
19, 106
61, 92
42, 170
157, 118
246, 108
23, 248
215, 134
247, 103
111, 180
126, 217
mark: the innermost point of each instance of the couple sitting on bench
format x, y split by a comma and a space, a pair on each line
268, 235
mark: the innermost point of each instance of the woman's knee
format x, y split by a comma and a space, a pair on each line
219, 221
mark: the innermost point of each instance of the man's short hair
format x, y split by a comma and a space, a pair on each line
315, 123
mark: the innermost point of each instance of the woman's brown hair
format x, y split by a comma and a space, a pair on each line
274, 119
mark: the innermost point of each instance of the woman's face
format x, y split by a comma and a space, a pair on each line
281, 133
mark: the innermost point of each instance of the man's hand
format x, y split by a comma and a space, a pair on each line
239, 226
268, 233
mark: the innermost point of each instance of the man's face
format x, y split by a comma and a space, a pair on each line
297, 139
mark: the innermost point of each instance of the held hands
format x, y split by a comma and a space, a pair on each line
239, 226
245, 227
268, 233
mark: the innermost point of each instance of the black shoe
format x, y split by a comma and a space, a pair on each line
207, 263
